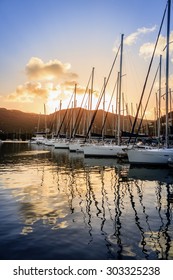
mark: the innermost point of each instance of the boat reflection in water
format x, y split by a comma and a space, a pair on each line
58, 205
164, 174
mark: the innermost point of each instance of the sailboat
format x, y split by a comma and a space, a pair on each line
76, 144
108, 150
62, 143
105, 150
40, 136
149, 155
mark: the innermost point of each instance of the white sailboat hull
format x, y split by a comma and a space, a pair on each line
49, 142
149, 156
61, 145
37, 140
103, 150
76, 147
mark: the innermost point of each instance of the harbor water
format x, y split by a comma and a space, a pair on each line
58, 205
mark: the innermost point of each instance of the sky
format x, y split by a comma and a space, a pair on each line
48, 46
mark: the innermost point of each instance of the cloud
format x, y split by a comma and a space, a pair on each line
70, 85
132, 38
30, 90
27, 92
163, 82
22, 98
52, 76
36, 69
146, 49
51, 82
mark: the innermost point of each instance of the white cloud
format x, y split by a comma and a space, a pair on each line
50, 81
132, 38
43, 79
146, 49
36, 69
27, 92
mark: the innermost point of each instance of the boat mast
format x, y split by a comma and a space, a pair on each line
123, 108
90, 100
119, 99
167, 70
103, 119
45, 119
74, 113
159, 103
116, 108
58, 118
38, 125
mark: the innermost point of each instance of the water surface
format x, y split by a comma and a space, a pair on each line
59, 205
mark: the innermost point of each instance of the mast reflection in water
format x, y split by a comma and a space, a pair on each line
59, 205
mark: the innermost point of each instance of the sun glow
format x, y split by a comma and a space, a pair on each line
58, 99
63, 99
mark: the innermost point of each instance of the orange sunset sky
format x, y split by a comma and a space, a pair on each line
48, 46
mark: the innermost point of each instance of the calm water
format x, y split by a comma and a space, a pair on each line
59, 205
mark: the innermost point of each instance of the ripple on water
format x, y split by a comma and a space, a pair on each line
58, 206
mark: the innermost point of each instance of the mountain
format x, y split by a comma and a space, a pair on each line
15, 122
